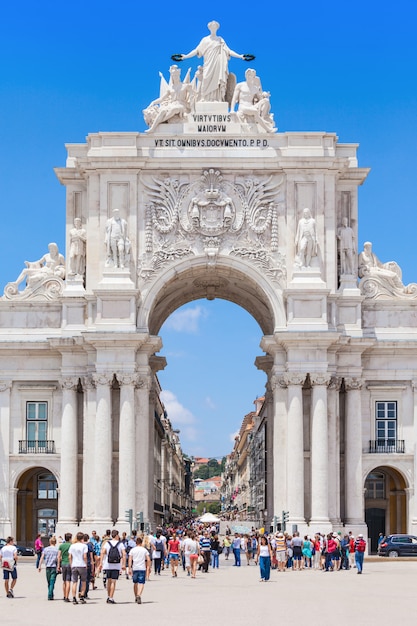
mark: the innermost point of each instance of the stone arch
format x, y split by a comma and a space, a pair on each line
229, 279
36, 491
386, 490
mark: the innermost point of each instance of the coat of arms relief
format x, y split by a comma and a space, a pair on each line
213, 216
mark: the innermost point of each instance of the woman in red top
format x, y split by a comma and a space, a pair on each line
174, 553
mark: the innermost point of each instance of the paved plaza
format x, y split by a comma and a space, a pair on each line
384, 594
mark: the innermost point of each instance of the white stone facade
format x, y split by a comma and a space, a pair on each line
212, 204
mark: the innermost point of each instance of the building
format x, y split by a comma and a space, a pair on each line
226, 208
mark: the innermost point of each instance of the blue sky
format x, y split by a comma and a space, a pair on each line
72, 69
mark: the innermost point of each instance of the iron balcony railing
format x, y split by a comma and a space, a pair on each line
387, 446
31, 446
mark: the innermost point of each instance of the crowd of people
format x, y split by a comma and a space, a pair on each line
82, 559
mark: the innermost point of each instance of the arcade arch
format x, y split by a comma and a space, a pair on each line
37, 504
385, 503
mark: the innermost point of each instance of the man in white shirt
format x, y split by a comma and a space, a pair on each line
112, 568
8, 554
78, 561
139, 562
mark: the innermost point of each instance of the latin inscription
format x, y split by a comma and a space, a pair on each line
211, 143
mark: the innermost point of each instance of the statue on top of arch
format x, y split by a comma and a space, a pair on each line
212, 82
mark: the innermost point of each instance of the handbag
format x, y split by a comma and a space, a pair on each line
8, 565
200, 559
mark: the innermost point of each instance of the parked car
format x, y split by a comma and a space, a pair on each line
398, 545
21, 550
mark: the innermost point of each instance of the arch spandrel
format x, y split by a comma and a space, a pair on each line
229, 279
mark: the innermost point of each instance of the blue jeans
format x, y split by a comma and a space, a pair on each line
265, 567
359, 560
236, 552
214, 558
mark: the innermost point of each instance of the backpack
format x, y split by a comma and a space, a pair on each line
113, 555
361, 545
159, 546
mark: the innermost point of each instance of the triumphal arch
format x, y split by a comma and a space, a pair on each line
212, 201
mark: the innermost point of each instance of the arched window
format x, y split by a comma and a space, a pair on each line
375, 486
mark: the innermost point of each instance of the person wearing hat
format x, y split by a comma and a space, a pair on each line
360, 547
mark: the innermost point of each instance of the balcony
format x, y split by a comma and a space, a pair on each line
30, 446
387, 446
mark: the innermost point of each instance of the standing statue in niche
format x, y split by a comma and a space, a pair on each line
253, 102
78, 238
216, 54
347, 248
306, 239
117, 241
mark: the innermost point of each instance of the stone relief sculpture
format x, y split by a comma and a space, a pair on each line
212, 214
174, 102
381, 280
216, 54
117, 242
306, 240
77, 249
347, 247
253, 103
44, 278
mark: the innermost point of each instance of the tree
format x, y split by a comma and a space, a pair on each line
203, 472
214, 508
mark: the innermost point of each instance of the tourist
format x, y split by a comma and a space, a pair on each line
264, 558
205, 549
215, 551
281, 552
38, 549
174, 554
78, 561
227, 545
307, 551
360, 547
159, 552
8, 560
112, 562
90, 565
147, 544
139, 565
64, 565
236, 543
50, 557
296, 545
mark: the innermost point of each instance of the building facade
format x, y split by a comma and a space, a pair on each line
211, 203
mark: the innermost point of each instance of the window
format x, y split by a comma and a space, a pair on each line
375, 486
47, 487
36, 422
47, 521
386, 424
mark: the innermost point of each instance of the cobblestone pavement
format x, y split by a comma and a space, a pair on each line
385, 594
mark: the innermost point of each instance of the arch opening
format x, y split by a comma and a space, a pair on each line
37, 504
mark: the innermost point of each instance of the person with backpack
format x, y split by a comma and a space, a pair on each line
360, 547
112, 561
158, 553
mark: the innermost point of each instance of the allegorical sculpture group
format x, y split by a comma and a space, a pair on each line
212, 82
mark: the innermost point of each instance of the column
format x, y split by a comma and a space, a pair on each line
353, 452
69, 489
89, 433
295, 446
412, 493
319, 450
127, 437
6, 512
279, 388
103, 449
334, 449
143, 449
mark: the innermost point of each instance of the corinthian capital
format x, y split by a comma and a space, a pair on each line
69, 382
144, 382
102, 378
293, 378
320, 378
5, 385
131, 378
352, 383
335, 383
88, 382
